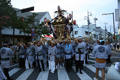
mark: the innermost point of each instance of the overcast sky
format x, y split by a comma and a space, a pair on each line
79, 8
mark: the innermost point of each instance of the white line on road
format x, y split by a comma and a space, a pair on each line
13, 71
62, 74
43, 75
83, 76
25, 75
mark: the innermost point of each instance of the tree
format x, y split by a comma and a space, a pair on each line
42, 30
25, 25
8, 16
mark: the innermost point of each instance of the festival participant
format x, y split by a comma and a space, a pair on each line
100, 52
59, 54
29, 55
118, 44
5, 55
21, 52
80, 55
52, 51
62, 53
87, 52
109, 48
45, 52
68, 50
34, 52
40, 56
74, 44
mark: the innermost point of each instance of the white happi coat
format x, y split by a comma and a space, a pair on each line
101, 52
52, 51
30, 54
5, 52
40, 52
81, 45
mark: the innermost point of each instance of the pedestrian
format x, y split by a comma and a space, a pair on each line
80, 54
40, 56
58, 55
45, 52
52, 51
6, 54
87, 52
100, 52
21, 52
118, 45
109, 48
34, 52
29, 55
68, 50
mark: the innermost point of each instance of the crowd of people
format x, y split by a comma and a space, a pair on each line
115, 45
56, 54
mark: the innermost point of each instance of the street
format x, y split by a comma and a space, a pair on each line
60, 74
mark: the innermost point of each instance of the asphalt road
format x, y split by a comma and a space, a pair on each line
60, 73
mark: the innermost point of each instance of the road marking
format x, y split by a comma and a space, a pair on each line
25, 75
13, 71
62, 74
93, 69
43, 75
83, 76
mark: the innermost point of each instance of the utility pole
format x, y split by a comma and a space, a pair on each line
105, 32
110, 33
88, 21
95, 19
72, 26
113, 23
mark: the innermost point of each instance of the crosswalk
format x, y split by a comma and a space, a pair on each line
59, 74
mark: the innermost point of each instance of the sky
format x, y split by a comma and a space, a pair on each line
79, 8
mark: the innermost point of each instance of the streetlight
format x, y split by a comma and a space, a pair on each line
113, 22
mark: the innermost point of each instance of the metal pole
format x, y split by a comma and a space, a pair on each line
105, 32
114, 27
95, 19
110, 33
88, 24
72, 26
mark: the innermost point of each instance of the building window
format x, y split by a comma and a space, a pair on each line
95, 36
76, 32
86, 33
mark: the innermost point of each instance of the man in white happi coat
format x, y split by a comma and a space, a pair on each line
40, 56
68, 50
6, 53
52, 51
21, 52
34, 52
80, 55
100, 52
29, 55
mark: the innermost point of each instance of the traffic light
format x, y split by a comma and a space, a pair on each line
27, 9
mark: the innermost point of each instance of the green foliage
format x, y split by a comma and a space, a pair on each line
26, 25
7, 14
42, 29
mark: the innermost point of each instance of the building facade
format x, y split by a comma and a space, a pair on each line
91, 32
8, 33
